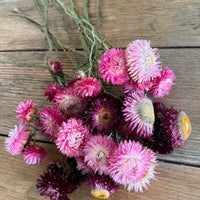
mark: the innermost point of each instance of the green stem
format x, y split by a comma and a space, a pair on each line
86, 13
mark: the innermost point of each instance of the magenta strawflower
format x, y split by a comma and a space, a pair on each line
102, 114
34, 154
55, 67
72, 137
50, 120
68, 102
162, 84
52, 90
139, 114
133, 86
87, 87
102, 187
16, 139
131, 163
112, 66
96, 151
142, 61
25, 111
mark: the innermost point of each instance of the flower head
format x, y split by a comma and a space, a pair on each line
102, 187
87, 87
68, 102
55, 67
16, 140
34, 154
72, 137
96, 151
130, 163
52, 91
102, 114
162, 84
142, 61
50, 120
139, 113
25, 111
112, 66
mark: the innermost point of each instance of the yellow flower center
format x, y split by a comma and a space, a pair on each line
151, 60
104, 117
148, 111
100, 193
184, 125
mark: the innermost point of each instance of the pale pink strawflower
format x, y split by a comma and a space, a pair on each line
87, 87
130, 162
17, 138
80, 74
34, 154
96, 152
162, 84
25, 111
112, 67
142, 61
55, 67
134, 86
68, 102
52, 90
138, 112
50, 120
72, 137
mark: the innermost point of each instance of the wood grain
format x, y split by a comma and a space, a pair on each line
165, 23
173, 181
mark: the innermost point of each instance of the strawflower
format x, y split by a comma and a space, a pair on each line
139, 114
25, 111
16, 139
34, 154
142, 61
102, 187
52, 90
72, 137
55, 67
87, 87
96, 152
112, 66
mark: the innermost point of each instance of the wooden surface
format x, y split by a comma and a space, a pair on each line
173, 26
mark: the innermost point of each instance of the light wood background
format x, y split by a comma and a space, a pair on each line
172, 25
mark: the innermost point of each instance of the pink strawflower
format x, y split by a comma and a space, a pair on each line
50, 120
87, 87
55, 67
142, 61
133, 86
52, 91
25, 111
96, 151
80, 74
68, 102
162, 84
112, 66
102, 187
130, 163
72, 137
16, 139
34, 155
139, 114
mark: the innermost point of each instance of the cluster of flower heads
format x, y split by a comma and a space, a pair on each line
110, 140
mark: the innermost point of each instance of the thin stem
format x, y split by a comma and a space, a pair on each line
37, 5
86, 13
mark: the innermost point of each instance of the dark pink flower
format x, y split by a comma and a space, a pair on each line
162, 84
55, 67
112, 66
87, 87
50, 120
52, 91
34, 154
25, 111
